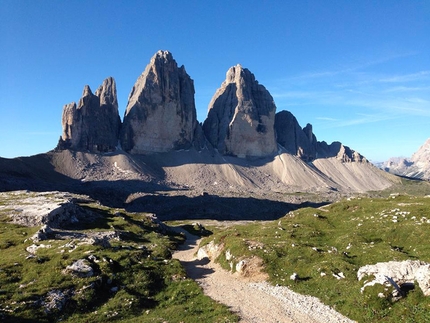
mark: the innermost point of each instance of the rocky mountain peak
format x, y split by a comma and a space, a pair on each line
94, 123
87, 91
160, 114
107, 93
422, 155
304, 144
417, 166
241, 116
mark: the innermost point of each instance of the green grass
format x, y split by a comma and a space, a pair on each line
135, 278
341, 237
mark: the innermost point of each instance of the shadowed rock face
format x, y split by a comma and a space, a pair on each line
338, 150
241, 117
297, 141
94, 123
161, 113
303, 143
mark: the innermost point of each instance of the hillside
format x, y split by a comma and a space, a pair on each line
182, 178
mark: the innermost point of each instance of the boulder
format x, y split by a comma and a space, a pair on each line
80, 268
160, 114
400, 272
92, 125
241, 117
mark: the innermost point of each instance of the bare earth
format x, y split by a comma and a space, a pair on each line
252, 301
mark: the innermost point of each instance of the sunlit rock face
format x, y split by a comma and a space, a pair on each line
160, 114
94, 124
418, 166
241, 117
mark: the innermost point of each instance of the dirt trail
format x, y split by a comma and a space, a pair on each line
254, 302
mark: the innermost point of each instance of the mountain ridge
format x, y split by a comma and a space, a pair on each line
416, 166
160, 148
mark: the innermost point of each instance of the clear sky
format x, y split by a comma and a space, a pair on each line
358, 71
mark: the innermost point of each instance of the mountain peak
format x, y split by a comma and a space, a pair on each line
160, 114
241, 116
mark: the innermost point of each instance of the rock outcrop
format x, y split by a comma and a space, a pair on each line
397, 272
94, 123
160, 114
418, 166
241, 117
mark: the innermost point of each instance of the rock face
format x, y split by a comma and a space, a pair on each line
161, 113
303, 143
94, 123
241, 117
297, 141
418, 166
338, 150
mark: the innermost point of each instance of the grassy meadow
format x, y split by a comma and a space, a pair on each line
321, 245
135, 279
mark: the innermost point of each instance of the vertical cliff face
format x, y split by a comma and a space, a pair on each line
303, 143
160, 114
241, 117
94, 123
297, 141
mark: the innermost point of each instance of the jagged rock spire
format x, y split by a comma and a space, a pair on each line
160, 114
241, 116
94, 123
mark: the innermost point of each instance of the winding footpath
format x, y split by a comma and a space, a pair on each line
256, 302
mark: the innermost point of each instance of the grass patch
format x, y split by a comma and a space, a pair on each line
134, 278
319, 244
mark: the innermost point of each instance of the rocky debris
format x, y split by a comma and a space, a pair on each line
34, 247
94, 123
297, 141
402, 273
417, 166
160, 114
80, 268
241, 117
55, 300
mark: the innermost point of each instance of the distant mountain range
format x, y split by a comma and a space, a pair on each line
418, 166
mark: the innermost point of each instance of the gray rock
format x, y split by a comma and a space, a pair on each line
399, 272
161, 113
241, 117
55, 300
338, 150
80, 268
94, 123
303, 142
44, 233
297, 141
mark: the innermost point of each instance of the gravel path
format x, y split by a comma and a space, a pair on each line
256, 302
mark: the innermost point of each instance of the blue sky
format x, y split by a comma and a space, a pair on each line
358, 71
